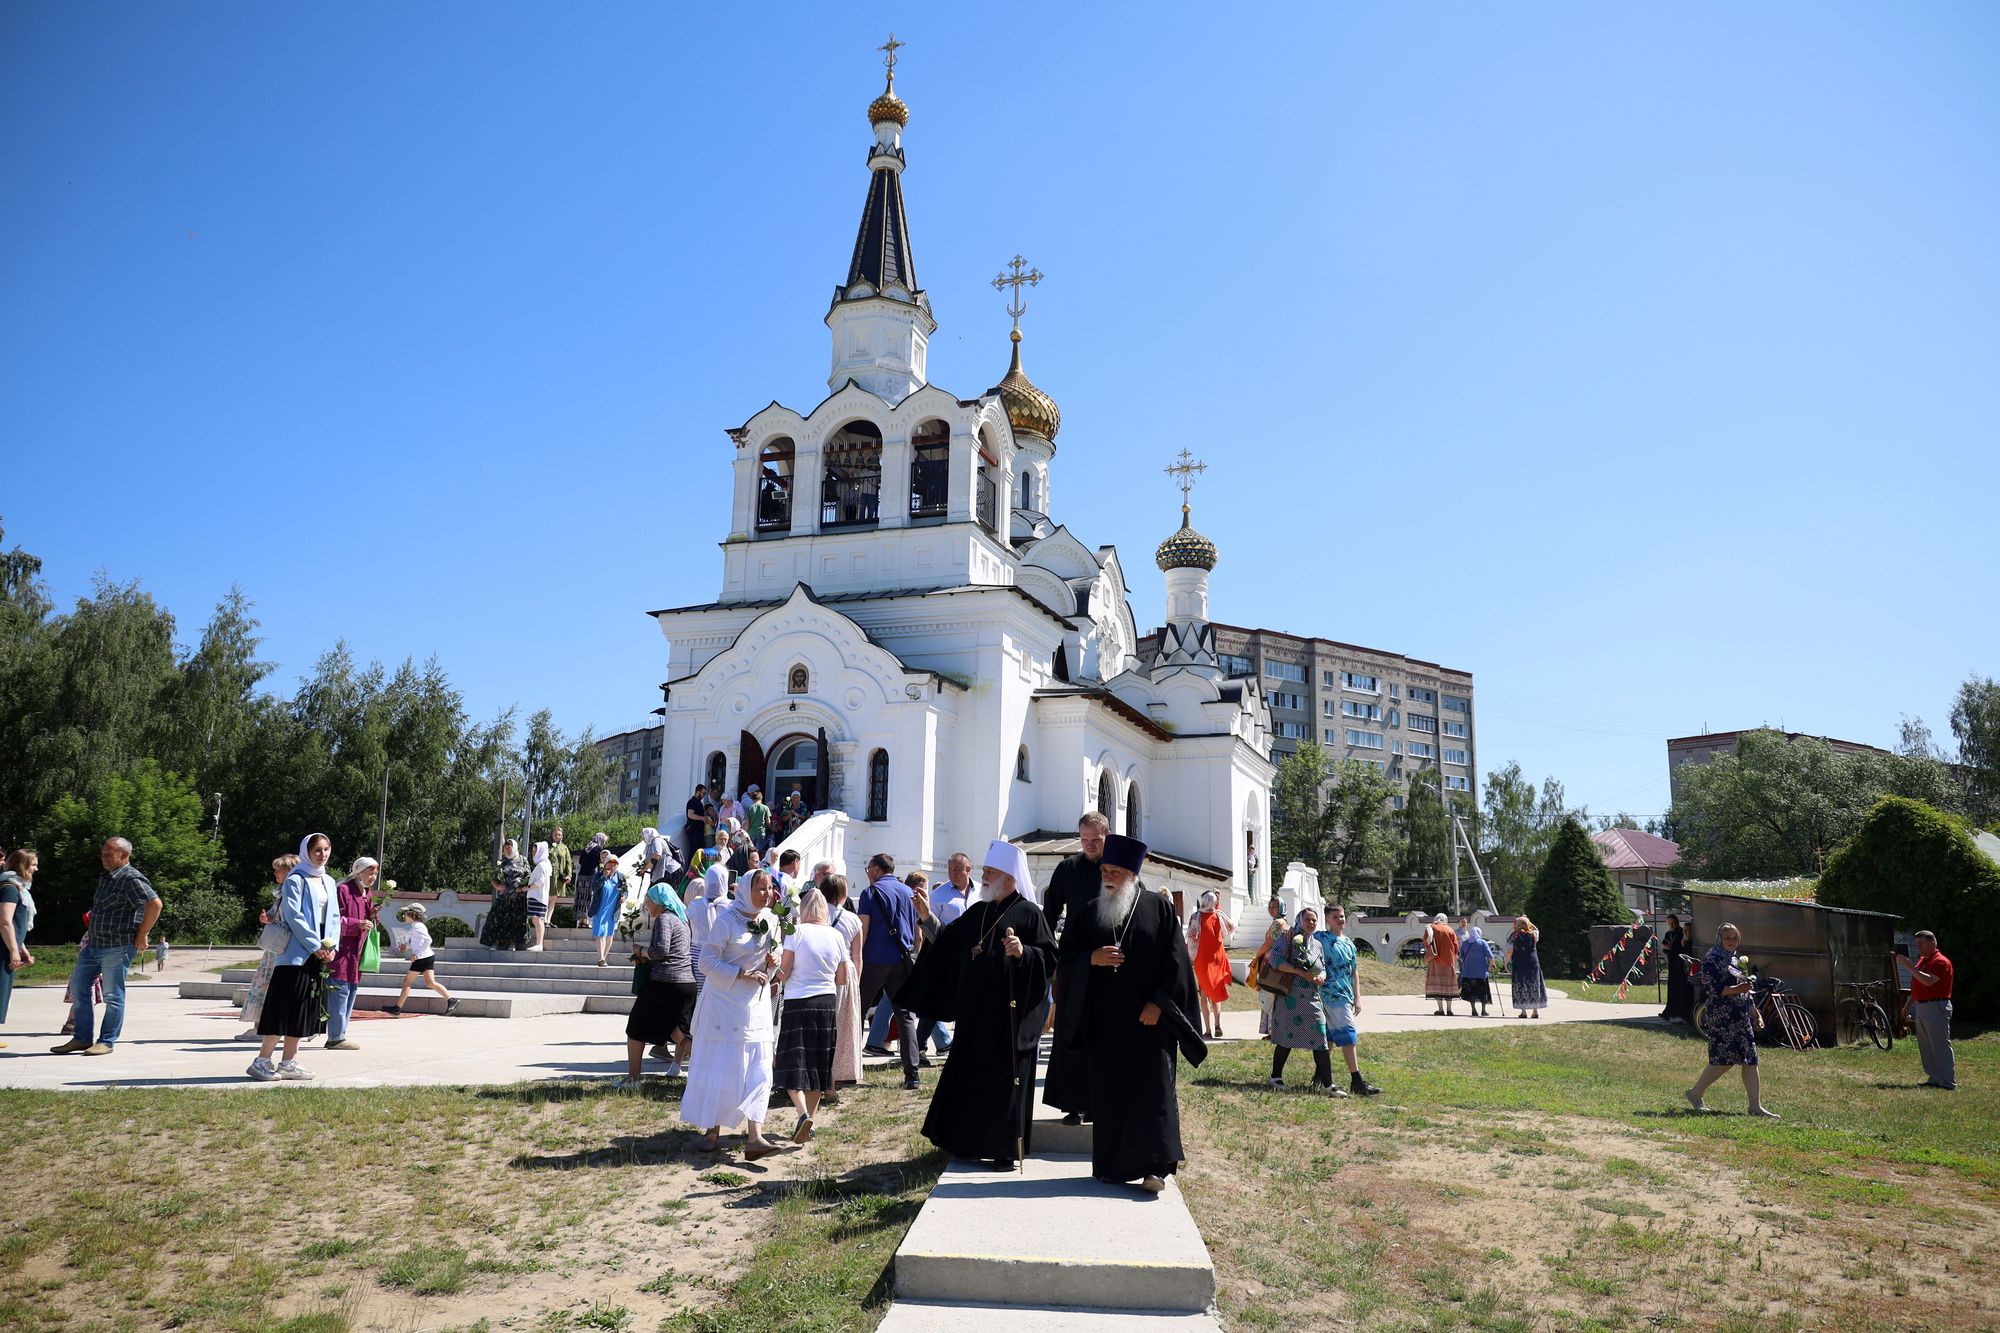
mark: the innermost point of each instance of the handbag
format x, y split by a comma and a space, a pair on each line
1273, 982
640, 973
273, 937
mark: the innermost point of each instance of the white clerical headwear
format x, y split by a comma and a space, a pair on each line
1004, 856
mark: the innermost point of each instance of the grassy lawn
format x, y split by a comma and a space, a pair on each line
53, 964
543, 1207
1552, 1179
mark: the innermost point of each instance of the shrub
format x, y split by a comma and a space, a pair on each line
1572, 893
1922, 864
201, 915
448, 928
562, 916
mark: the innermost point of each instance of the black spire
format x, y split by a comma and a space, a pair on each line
882, 246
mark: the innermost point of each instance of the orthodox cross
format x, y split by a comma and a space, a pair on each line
1183, 473
1017, 280
889, 61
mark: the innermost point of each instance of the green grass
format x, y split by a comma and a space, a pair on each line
1861, 1164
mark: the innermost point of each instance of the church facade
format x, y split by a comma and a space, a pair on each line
904, 632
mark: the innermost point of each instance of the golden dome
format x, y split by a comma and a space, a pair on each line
889, 107
1186, 549
1028, 408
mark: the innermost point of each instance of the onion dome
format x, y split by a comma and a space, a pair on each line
1186, 549
1028, 408
889, 107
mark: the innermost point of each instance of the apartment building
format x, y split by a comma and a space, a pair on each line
1398, 713
1702, 749
635, 775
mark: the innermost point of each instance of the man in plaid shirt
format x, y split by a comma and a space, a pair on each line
121, 918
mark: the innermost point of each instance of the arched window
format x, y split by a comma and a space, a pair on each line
718, 769
774, 486
986, 504
1132, 811
1107, 797
878, 786
930, 470
1021, 765
851, 495
798, 681
797, 766
1025, 491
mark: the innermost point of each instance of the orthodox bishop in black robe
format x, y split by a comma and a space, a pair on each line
1072, 889
995, 991
1129, 1020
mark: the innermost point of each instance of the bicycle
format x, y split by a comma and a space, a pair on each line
1785, 1019
1864, 1004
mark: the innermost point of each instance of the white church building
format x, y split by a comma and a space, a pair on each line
907, 634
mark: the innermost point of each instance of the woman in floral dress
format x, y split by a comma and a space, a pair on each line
507, 919
260, 985
1298, 1020
1524, 958
1730, 1020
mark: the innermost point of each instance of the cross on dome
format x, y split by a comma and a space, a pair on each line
1186, 549
1183, 472
1015, 305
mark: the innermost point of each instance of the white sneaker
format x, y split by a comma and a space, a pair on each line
628, 1084
673, 1069
290, 1071
248, 1034
262, 1070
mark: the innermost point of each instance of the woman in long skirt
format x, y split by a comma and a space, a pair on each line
1525, 959
1441, 963
1298, 1020
847, 995
730, 1082
1475, 967
815, 964
507, 918
1680, 986
295, 1008
664, 1009
267, 960
1262, 961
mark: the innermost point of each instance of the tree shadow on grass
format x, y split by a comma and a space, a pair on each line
668, 1147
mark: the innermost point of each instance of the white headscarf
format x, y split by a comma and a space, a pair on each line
652, 837
541, 855
362, 863
306, 867
1004, 856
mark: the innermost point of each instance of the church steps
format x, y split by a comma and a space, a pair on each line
939, 1317
604, 981
471, 1003
1049, 1237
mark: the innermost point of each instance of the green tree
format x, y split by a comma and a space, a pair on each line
1975, 722
1337, 822
1780, 805
1518, 829
1573, 892
1423, 867
1922, 864
159, 812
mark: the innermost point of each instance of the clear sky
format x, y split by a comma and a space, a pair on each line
1642, 359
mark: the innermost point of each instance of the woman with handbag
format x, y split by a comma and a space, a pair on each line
1262, 962
295, 1008
270, 943
663, 984
1298, 1020
357, 928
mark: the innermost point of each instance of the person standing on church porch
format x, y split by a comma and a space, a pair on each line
987, 971
1128, 997
1072, 887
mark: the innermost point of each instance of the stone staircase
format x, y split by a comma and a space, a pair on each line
563, 978
1047, 1249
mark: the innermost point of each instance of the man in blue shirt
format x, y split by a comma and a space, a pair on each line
1340, 994
888, 951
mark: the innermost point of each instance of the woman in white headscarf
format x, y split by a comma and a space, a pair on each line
295, 1006
729, 1081
538, 894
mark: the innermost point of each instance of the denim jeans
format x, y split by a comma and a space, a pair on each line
111, 964
927, 1031
339, 1008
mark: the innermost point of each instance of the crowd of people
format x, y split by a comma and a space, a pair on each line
751, 979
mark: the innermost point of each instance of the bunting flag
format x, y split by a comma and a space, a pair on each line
1597, 973
1633, 971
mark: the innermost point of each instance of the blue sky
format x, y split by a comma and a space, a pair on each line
1639, 359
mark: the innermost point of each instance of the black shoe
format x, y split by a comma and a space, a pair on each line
910, 1085
451, 1008
1361, 1087
876, 1050
1003, 1164
393, 1010
923, 1062
1073, 1118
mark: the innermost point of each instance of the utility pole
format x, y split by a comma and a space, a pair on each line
382, 819
528, 816
500, 828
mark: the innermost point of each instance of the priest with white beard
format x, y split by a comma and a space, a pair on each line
987, 972
1128, 993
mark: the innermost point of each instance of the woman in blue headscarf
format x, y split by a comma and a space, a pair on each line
1475, 970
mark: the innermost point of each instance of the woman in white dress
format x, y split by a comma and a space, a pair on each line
734, 1036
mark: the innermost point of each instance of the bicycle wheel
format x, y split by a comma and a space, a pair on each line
1801, 1032
1879, 1030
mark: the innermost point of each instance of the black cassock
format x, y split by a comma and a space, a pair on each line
997, 1005
1135, 1116
1072, 889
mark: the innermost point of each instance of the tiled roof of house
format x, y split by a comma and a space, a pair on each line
1629, 849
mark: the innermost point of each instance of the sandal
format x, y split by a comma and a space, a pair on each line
759, 1154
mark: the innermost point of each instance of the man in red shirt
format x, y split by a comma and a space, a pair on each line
1928, 1010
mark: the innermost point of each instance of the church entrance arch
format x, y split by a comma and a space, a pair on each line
796, 760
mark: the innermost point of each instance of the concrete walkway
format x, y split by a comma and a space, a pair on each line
1382, 1014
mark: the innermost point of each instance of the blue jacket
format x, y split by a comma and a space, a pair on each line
300, 904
